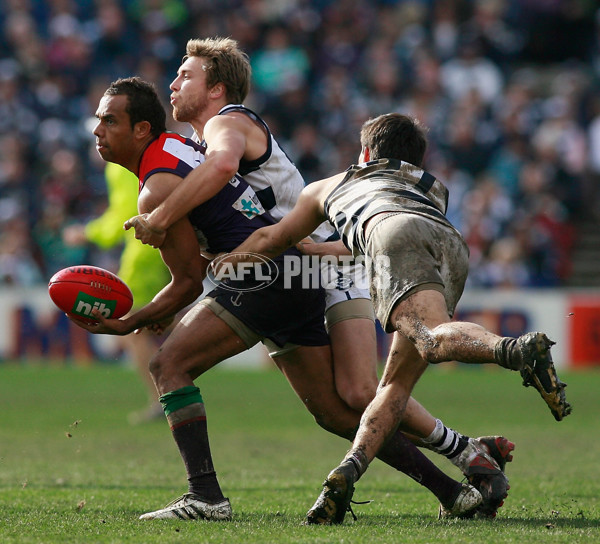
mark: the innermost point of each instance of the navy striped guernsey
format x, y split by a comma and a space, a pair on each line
384, 185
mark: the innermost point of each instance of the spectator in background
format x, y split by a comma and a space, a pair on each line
591, 188
117, 44
500, 83
65, 184
465, 138
506, 163
500, 42
17, 114
471, 71
458, 182
17, 182
17, 264
279, 66
312, 153
48, 237
504, 266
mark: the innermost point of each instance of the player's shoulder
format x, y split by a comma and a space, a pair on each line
171, 152
169, 140
323, 187
159, 147
238, 117
315, 194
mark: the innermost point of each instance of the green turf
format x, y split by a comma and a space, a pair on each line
73, 470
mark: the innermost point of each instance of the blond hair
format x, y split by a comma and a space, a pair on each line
226, 63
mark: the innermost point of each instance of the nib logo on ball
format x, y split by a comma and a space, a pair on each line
79, 290
84, 304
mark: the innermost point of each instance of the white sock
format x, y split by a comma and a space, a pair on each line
445, 441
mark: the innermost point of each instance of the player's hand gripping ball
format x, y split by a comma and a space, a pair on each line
78, 290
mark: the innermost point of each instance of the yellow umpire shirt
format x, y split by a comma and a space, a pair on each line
141, 266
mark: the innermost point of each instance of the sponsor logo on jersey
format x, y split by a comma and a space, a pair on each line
248, 204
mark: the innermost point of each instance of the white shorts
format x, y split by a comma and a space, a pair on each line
335, 296
344, 283
347, 296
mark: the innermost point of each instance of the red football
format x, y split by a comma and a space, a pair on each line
78, 290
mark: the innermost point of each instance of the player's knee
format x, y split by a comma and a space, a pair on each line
432, 355
337, 425
156, 367
322, 421
429, 349
357, 391
437, 346
358, 398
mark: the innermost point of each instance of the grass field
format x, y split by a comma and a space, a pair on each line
72, 470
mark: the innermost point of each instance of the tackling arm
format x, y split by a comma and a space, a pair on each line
226, 139
273, 240
323, 249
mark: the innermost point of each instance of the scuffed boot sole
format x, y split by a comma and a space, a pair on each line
538, 371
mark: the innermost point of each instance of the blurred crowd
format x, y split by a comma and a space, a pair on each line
508, 89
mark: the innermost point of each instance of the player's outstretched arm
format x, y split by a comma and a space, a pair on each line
181, 254
323, 249
188, 269
273, 240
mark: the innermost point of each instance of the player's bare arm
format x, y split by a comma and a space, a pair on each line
273, 240
228, 139
181, 254
322, 249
